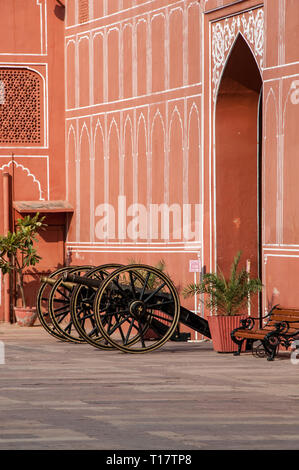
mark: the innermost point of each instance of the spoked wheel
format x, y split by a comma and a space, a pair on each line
82, 300
258, 349
60, 306
137, 308
42, 304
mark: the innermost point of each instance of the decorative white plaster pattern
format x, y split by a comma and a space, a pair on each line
251, 25
26, 170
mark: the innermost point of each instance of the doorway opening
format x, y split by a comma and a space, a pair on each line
238, 137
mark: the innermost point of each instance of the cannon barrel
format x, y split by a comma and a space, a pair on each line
51, 281
85, 281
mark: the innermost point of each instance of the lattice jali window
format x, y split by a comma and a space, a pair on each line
83, 11
20, 107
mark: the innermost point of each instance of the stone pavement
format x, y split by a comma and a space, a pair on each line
62, 396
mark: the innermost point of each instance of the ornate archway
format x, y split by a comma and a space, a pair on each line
237, 53
237, 165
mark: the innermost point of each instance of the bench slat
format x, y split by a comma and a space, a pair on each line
283, 322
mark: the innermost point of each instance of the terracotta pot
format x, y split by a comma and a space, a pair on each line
221, 327
25, 316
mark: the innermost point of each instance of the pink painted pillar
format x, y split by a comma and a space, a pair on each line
6, 214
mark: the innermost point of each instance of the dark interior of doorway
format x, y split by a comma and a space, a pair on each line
238, 135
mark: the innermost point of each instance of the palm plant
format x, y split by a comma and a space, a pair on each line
226, 296
152, 279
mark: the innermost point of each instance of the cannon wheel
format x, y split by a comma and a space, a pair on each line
82, 314
60, 306
42, 303
137, 308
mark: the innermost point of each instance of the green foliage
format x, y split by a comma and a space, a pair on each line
16, 248
152, 280
226, 296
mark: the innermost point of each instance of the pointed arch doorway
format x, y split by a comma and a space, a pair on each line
238, 124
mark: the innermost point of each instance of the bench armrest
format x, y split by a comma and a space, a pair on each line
247, 323
266, 316
284, 326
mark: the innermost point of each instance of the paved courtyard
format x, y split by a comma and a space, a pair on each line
56, 395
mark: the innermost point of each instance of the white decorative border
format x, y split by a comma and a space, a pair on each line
183, 109
224, 34
28, 171
42, 4
166, 13
44, 76
119, 10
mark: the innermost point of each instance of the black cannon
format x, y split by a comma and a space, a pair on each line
134, 308
55, 301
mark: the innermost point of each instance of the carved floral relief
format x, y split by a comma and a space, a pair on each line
251, 25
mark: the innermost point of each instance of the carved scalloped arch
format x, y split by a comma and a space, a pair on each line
26, 170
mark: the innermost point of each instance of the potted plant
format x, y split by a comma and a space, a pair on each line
16, 254
226, 299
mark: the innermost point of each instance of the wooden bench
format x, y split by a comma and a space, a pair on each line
281, 327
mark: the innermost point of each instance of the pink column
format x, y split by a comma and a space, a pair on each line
6, 211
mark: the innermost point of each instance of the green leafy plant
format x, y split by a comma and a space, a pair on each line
226, 296
152, 280
17, 251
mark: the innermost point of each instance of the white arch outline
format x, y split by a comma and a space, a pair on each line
270, 95
84, 128
128, 120
215, 93
158, 115
67, 55
113, 123
239, 33
193, 109
96, 130
141, 117
175, 111
35, 180
67, 159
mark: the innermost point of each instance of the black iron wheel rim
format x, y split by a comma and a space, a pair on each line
59, 314
44, 317
141, 326
93, 337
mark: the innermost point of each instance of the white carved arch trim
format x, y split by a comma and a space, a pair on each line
250, 25
26, 170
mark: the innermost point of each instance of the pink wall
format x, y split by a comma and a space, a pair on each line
274, 49
133, 103
32, 107
128, 95
142, 87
